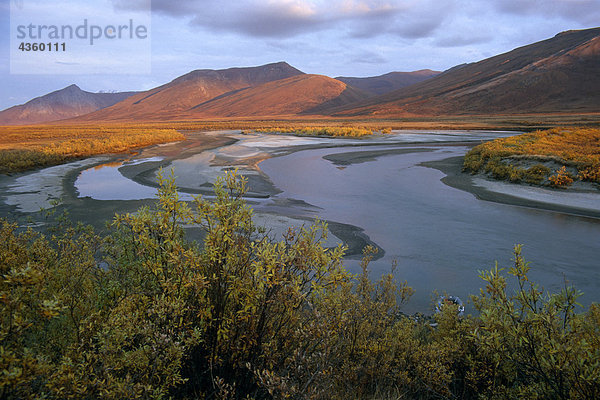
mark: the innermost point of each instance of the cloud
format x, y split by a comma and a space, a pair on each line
463, 31
369, 57
459, 39
287, 18
586, 12
271, 19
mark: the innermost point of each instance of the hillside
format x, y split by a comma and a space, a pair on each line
295, 95
190, 90
377, 85
557, 75
560, 75
64, 103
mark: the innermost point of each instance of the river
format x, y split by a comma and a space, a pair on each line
382, 189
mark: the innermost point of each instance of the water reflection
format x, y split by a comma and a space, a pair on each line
105, 182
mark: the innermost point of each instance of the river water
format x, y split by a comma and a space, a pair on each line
439, 236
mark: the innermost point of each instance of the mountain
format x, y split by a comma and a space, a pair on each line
389, 82
560, 74
191, 90
64, 103
557, 75
291, 96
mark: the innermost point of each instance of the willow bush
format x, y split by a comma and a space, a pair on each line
144, 313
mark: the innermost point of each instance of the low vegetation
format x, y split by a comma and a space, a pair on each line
555, 157
143, 313
335, 131
27, 147
498, 122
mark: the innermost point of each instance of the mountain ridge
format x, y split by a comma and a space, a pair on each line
189, 90
64, 103
388, 82
285, 97
554, 75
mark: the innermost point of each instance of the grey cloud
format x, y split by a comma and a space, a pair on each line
288, 18
374, 24
171, 8
581, 11
275, 20
412, 29
369, 57
456, 40
424, 20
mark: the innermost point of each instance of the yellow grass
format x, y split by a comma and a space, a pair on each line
336, 131
576, 147
27, 147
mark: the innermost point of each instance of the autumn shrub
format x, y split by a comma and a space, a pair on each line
504, 171
319, 130
12, 161
574, 147
144, 313
590, 173
535, 344
536, 174
562, 178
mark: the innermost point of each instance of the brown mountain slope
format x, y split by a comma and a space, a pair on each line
64, 103
295, 95
376, 85
561, 74
189, 90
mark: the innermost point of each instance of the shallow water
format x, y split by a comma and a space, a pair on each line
105, 182
440, 236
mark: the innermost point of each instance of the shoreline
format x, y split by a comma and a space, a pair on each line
199, 142
452, 168
66, 193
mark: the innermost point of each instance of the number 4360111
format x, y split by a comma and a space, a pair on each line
26, 46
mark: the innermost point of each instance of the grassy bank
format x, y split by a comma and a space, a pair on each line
28, 147
555, 157
334, 131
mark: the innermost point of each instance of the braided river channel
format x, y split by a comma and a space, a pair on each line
403, 193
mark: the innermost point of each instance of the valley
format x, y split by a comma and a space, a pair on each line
383, 190
234, 232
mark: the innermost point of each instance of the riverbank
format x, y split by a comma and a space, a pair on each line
584, 203
559, 157
24, 148
24, 195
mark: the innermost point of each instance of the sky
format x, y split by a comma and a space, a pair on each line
329, 37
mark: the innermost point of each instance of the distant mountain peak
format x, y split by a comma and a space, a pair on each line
192, 89
571, 31
278, 63
67, 102
72, 87
377, 85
